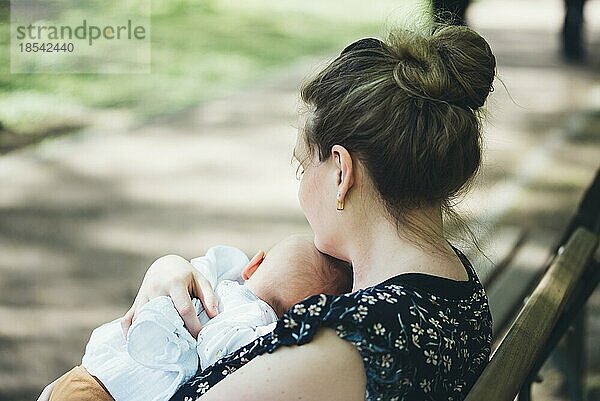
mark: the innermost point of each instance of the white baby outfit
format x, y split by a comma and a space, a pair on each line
159, 354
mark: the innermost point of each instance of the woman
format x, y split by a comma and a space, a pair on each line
392, 135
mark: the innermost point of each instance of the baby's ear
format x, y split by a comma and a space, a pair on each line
251, 267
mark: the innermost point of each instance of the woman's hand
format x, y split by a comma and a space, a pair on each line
174, 276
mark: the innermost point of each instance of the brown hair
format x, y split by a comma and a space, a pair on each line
407, 109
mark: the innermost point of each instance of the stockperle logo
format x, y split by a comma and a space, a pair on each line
73, 36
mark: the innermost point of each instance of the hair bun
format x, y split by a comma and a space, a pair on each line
453, 65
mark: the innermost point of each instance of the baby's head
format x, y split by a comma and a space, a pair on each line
294, 269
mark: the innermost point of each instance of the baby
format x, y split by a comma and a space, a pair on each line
159, 354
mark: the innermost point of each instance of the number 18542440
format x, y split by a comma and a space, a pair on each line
46, 47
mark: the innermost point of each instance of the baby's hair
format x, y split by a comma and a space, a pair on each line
337, 275
317, 273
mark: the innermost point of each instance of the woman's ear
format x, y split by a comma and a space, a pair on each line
251, 267
344, 171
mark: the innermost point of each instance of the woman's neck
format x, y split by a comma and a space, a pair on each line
381, 251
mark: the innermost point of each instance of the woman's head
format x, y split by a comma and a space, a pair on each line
405, 114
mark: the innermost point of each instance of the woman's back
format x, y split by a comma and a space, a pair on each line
420, 336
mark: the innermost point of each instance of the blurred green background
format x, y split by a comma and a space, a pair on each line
200, 49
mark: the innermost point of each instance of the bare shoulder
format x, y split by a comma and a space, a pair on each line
328, 367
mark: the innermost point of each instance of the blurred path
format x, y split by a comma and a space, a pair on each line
81, 217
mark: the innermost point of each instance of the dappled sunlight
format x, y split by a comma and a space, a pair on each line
83, 215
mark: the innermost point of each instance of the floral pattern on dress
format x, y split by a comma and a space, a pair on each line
415, 344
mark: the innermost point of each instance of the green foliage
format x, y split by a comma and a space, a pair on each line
202, 48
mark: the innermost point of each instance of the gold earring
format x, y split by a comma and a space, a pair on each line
339, 205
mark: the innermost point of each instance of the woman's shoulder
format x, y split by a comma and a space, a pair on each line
394, 312
400, 328
370, 312
403, 327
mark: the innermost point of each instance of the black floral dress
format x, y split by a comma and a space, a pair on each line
421, 337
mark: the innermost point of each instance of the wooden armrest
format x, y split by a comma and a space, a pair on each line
518, 351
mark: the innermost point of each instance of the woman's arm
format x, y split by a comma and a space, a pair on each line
327, 368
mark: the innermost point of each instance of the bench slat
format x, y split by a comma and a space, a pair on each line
512, 361
507, 291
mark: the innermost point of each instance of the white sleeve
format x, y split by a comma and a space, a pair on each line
221, 263
219, 340
158, 339
164, 359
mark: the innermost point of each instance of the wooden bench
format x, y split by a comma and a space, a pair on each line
519, 350
537, 288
